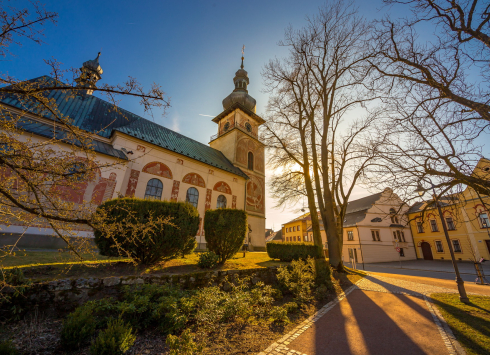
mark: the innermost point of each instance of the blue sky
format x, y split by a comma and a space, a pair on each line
191, 48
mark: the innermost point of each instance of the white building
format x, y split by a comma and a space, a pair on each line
161, 163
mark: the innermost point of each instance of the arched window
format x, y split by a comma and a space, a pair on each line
221, 202
250, 161
192, 196
154, 189
394, 218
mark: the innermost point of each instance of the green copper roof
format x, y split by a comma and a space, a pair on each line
168, 139
100, 117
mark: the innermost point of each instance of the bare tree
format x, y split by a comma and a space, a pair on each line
329, 55
439, 92
40, 175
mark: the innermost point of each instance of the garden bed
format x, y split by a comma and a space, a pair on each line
39, 332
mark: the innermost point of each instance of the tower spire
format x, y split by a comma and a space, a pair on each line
243, 53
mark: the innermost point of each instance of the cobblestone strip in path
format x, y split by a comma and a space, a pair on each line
382, 284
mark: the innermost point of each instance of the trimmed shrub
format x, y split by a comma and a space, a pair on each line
207, 260
289, 251
225, 230
148, 231
117, 339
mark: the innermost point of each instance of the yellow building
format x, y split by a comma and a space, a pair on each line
297, 229
466, 218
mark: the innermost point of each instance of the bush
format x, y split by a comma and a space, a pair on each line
189, 247
148, 231
299, 279
117, 339
225, 230
207, 260
7, 348
78, 328
288, 251
183, 345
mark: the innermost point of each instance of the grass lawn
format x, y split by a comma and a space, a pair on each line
52, 265
470, 323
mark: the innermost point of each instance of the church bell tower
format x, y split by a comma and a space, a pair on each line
238, 139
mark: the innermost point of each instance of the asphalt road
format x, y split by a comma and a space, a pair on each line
437, 269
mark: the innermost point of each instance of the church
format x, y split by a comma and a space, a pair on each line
160, 163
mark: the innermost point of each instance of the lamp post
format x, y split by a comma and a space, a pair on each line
459, 281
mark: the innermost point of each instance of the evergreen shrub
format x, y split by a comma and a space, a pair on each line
138, 228
289, 251
225, 230
116, 339
207, 260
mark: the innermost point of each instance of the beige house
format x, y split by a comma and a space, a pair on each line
373, 227
160, 163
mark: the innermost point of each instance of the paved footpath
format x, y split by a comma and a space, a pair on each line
380, 315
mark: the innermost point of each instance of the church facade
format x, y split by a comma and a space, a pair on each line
160, 163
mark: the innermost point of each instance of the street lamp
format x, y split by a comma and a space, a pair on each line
459, 281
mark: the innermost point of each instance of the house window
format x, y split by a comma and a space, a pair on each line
420, 227
297, 228
439, 247
192, 196
294, 238
433, 225
294, 229
484, 220
154, 190
403, 236
456, 246
299, 238
450, 224
250, 161
375, 235
402, 253
221, 202
350, 235
77, 172
227, 126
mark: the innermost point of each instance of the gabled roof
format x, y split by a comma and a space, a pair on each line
153, 133
364, 203
102, 118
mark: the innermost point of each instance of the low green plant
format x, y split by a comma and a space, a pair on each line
116, 339
207, 260
299, 279
225, 230
7, 348
78, 328
13, 302
288, 251
279, 314
183, 345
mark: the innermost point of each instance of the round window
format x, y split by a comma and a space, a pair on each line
227, 126
248, 126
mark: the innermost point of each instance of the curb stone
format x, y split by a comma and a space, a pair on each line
453, 345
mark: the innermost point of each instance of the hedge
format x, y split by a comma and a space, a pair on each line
125, 229
288, 251
225, 230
